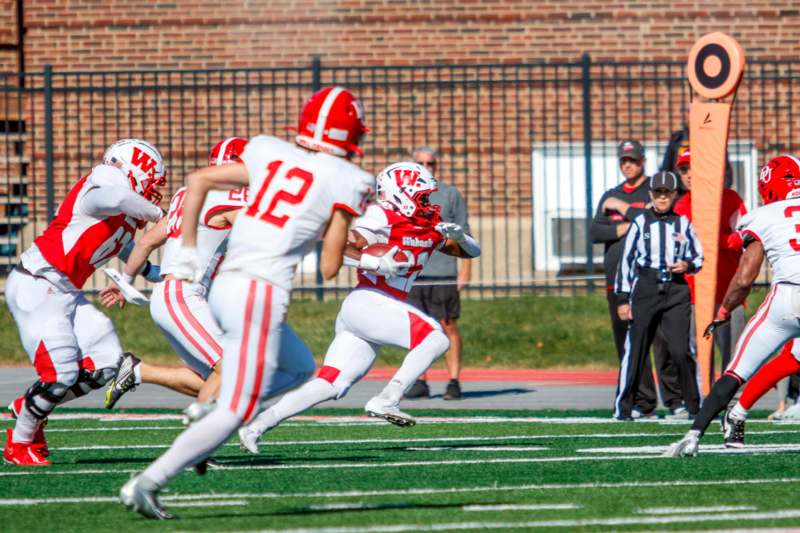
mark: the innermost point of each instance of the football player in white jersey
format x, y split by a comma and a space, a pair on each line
73, 345
771, 231
375, 313
180, 309
299, 193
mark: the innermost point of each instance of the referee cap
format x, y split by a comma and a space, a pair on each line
664, 180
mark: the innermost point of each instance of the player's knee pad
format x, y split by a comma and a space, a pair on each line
89, 380
41, 398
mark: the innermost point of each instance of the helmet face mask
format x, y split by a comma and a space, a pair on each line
332, 121
779, 179
141, 163
406, 187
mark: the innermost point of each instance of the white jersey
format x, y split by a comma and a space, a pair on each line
776, 225
211, 240
293, 192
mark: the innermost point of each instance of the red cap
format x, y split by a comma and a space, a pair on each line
684, 159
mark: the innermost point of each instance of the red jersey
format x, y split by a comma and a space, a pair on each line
730, 248
98, 217
417, 238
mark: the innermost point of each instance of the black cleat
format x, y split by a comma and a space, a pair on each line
733, 431
419, 389
453, 390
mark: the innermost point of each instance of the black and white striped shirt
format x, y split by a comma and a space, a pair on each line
657, 241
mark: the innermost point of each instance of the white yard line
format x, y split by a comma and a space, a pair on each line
709, 448
477, 448
420, 491
521, 507
694, 510
536, 524
211, 503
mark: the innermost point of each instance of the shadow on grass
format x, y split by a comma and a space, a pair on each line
466, 395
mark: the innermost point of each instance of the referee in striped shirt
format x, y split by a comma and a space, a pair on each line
660, 248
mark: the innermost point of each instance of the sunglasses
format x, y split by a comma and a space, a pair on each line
683, 170
431, 164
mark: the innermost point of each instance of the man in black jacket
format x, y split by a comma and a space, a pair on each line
615, 211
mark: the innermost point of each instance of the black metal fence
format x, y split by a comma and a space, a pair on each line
531, 146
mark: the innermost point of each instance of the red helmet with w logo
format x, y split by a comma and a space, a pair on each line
406, 187
779, 179
332, 121
227, 151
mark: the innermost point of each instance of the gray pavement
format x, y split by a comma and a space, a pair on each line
477, 395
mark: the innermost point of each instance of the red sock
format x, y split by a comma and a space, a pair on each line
782, 366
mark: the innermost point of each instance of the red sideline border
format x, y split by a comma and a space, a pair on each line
554, 377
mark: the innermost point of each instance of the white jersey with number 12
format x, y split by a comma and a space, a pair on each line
293, 192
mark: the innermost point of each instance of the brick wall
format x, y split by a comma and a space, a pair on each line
90, 34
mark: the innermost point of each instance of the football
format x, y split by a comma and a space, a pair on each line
381, 249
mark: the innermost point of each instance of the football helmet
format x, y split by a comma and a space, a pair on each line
779, 179
227, 151
142, 163
406, 187
332, 121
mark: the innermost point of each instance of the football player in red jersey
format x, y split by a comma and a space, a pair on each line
375, 313
72, 345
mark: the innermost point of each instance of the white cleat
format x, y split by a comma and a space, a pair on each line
686, 447
248, 439
141, 495
197, 411
389, 411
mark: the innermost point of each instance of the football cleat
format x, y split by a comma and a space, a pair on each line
733, 431
140, 495
197, 411
248, 439
679, 413
124, 381
389, 411
686, 447
22, 453
39, 440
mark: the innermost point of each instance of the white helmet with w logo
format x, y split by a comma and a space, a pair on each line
406, 187
142, 163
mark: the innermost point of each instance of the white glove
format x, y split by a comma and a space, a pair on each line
129, 292
450, 230
187, 266
385, 265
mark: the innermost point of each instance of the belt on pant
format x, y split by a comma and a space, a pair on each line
663, 278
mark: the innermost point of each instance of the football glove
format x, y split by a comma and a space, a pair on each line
385, 265
187, 266
716, 324
449, 230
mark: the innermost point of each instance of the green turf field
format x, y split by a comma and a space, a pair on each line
509, 471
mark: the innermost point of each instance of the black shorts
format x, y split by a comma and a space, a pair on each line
442, 302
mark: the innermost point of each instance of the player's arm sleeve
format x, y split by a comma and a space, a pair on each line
627, 265
603, 230
694, 250
110, 201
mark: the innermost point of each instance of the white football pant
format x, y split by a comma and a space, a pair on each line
255, 366
774, 323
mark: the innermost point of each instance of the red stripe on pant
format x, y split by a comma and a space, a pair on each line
167, 290
248, 317
765, 306
199, 328
261, 354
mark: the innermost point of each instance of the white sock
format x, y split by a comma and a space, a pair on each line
393, 391
293, 403
419, 359
194, 445
738, 412
137, 374
26, 426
